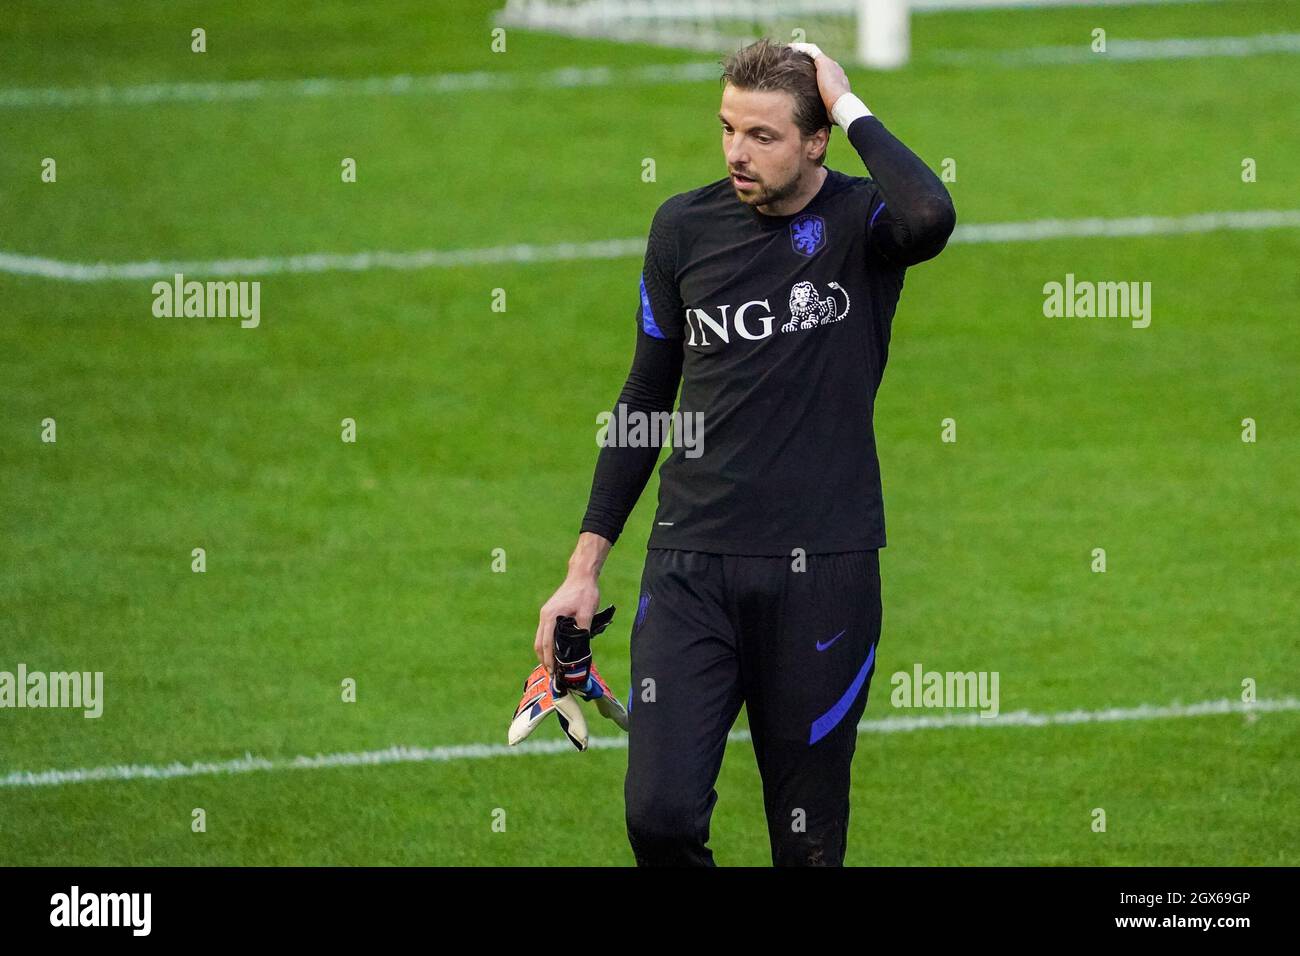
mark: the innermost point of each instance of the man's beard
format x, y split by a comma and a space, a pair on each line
770, 194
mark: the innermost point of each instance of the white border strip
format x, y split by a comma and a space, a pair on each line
945, 6
1038, 229
1035, 230
580, 15
396, 755
401, 85
434, 84
57, 269
1128, 51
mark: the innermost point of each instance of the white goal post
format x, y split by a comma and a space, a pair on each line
884, 36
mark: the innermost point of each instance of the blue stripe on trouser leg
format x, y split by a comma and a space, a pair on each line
824, 724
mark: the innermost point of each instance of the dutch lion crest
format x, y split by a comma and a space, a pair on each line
809, 310
808, 234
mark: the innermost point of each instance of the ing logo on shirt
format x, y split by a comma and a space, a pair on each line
755, 320
808, 234
809, 310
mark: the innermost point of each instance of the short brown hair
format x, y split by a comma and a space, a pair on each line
768, 65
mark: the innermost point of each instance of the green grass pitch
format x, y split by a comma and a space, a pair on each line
373, 560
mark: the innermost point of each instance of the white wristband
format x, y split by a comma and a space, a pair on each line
848, 108
812, 49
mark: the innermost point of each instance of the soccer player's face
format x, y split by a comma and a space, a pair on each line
767, 155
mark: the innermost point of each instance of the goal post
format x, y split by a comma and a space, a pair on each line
883, 33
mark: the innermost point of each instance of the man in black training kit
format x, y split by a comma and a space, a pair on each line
762, 581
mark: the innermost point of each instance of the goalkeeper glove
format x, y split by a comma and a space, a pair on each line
575, 676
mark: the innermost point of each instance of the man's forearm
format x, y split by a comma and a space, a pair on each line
918, 212
589, 555
620, 477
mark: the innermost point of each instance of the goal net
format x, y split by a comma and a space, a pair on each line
877, 31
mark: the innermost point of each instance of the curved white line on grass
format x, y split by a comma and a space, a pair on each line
1036, 230
394, 755
947, 6
402, 85
433, 84
1128, 51
61, 270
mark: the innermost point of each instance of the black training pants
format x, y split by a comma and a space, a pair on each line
797, 647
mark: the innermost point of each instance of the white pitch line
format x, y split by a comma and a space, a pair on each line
1035, 230
17, 264
397, 755
402, 85
572, 77
1129, 51
948, 6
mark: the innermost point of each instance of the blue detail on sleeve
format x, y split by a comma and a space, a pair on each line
648, 324
874, 215
824, 724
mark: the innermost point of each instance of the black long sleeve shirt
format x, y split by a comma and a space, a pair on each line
777, 328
